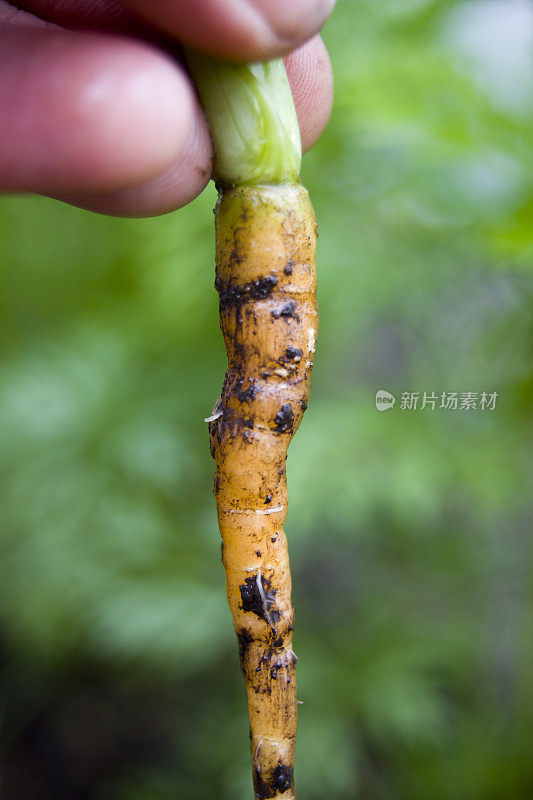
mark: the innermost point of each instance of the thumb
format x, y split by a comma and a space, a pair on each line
238, 30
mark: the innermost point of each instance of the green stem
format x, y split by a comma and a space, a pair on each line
253, 122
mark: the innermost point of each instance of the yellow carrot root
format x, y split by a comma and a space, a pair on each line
266, 280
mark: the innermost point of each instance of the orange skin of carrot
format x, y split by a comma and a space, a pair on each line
266, 279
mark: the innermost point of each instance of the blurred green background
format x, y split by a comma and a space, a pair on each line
409, 530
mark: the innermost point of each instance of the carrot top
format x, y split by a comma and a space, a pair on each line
253, 122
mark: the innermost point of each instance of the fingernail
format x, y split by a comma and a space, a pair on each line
294, 20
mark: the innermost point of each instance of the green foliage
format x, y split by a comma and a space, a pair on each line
408, 529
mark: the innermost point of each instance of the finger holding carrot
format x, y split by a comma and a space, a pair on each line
97, 108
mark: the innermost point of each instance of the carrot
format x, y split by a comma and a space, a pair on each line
266, 281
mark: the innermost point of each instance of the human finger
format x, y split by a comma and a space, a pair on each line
237, 30
87, 112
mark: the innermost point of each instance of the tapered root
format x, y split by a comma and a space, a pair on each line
266, 280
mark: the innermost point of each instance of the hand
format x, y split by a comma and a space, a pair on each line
96, 108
